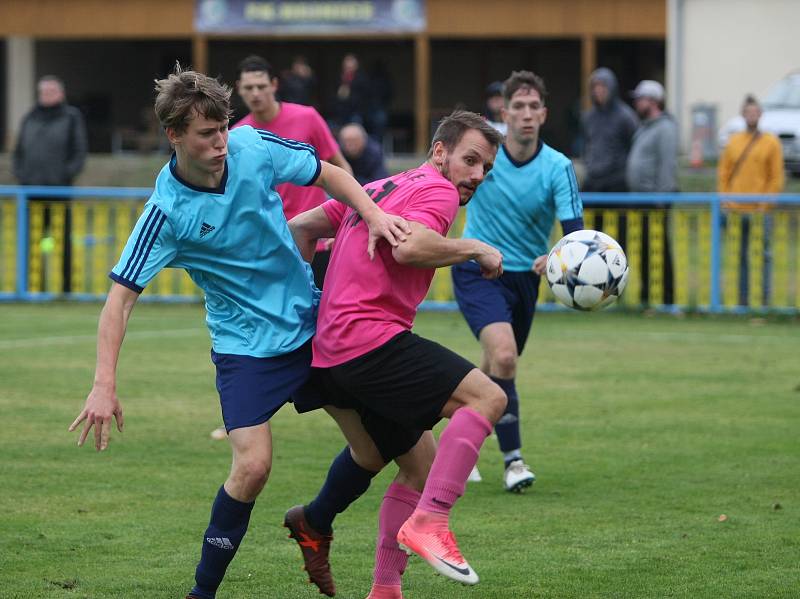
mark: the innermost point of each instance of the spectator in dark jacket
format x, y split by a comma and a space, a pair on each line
353, 93
51, 150
608, 129
363, 153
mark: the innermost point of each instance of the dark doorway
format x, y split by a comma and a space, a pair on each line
394, 58
112, 83
632, 61
462, 69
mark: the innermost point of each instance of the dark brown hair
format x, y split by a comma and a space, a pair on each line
750, 100
184, 92
520, 80
453, 127
254, 64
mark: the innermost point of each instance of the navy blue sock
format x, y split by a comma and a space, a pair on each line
507, 428
345, 483
229, 519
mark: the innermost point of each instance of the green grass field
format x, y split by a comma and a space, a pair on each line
642, 431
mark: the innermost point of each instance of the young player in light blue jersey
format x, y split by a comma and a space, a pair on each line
530, 186
215, 213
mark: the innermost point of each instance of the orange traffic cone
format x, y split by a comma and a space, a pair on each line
696, 154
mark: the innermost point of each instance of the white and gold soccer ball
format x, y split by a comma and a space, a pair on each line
587, 270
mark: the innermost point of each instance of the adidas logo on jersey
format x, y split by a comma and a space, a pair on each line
222, 543
205, 229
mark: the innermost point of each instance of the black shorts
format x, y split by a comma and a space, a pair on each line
398, 389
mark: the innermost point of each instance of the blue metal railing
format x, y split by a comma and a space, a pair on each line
711, 201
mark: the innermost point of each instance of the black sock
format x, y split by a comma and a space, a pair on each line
346, 482
229, 520
507, 428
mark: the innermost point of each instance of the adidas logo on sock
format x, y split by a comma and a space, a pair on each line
222, 543
205, 229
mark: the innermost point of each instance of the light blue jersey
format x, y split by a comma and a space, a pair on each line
515, 207
235, 244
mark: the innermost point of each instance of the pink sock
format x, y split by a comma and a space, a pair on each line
458, 451
398, 504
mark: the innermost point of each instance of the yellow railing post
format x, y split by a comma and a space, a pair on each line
58, 215
755, 262
731, 252
79, 224
611, 223
683, 269
8, 247
36, 234
656, 257
704, 258
797, 263
100, 248
632, 295
780, 264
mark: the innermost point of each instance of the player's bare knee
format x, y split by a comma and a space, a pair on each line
414, 475
368, 460
504, 363
494, 403
254, 472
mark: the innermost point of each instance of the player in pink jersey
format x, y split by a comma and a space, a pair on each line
385, 386
257, 87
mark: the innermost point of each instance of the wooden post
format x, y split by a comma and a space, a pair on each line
422, 92
588, 64
200, 53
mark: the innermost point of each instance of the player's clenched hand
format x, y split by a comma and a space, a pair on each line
540, 264
490, 260
100, 406
390, 227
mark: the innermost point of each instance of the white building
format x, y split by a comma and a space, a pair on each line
720, 50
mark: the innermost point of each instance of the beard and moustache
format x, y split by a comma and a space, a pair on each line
459, 185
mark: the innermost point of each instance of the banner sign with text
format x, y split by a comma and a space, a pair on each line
309, 16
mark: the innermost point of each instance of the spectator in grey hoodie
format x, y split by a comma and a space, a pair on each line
653, 160
608, 129
653, 167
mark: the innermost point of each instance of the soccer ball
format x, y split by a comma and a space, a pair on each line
587, 270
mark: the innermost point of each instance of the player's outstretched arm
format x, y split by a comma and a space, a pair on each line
339, 160
102, 402
425, 248
345, 189
307, 227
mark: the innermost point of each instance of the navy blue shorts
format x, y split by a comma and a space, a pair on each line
252, 389
510, 298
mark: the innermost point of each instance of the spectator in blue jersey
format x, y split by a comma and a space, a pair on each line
363, 153
529, 187
215, 213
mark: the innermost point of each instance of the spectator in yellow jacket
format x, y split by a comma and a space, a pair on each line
752, 162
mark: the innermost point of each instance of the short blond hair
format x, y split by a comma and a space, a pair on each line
184, 92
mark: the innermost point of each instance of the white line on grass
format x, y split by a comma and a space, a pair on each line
69, 339
682, 336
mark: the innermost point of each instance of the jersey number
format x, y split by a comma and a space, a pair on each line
377, 195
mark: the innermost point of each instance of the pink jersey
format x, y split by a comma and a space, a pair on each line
301, 123
366, 303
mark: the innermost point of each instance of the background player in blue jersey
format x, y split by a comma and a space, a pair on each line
513, 210
215, 213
